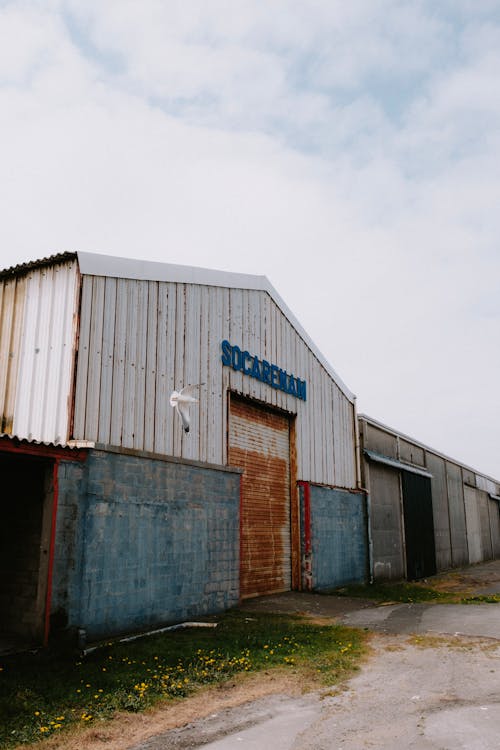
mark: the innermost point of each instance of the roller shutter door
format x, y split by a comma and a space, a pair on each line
259, 443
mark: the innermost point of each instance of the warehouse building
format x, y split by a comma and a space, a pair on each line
427, 512
117, 519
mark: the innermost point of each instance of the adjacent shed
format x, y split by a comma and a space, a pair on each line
427, 512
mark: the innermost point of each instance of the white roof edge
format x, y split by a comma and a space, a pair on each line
95, 264
425, 447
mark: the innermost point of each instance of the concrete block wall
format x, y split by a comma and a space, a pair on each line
147, 542
72, 481
338, 537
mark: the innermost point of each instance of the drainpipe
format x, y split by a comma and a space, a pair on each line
366, 492
357, 446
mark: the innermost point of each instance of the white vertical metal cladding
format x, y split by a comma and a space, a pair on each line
37, 357
141, 339
12, 299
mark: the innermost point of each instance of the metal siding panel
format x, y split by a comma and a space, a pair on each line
164, 369
130, 373
484, 524
169, 414
83, 359
332, 436
12, 301
473, 525
236, 333
7, 307
263, 329
179, 379
486, 484
243, 343
94, 394
388, 563
259, 443
326, 433
458, 532
381, 441
46, 359
108, 343
151, 348
42, 401
411, 453
283, 354
119, 353
494, 509
190, 443
337, 435
273, 348
436, 467
255, 345
62, 353
15, 349
221, 413
140, 364
207, 340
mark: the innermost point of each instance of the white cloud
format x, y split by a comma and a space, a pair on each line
348, 151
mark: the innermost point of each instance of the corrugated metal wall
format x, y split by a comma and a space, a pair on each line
466, 519
37, 347
259, 443
141, 339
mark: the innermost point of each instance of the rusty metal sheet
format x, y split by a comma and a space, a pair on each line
259, 443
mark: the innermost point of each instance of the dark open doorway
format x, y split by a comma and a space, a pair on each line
419, 526
26, 508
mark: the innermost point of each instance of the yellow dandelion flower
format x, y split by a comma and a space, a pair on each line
44, 729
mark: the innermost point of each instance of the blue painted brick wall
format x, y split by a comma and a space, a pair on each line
72, 480
339, 549
158, 543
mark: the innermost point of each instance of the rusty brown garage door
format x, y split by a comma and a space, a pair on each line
259, 443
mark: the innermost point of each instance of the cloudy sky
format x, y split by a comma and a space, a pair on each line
349, 151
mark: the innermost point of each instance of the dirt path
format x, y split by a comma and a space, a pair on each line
128, 730
420, 692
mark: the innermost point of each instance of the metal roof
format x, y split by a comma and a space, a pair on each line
94, 264
418, 444
71, 444
23, 268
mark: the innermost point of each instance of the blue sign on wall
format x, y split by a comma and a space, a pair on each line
260, 369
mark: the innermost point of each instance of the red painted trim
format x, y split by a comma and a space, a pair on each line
48, 600
19, 447
307, 517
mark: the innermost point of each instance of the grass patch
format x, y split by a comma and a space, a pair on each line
402, 592
481, 599
43, 694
